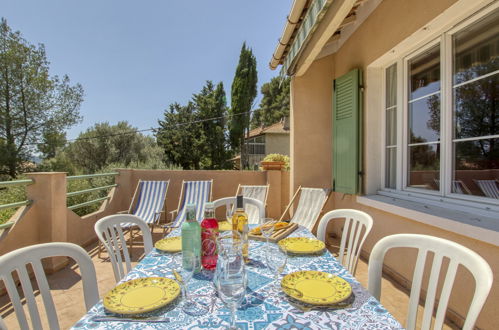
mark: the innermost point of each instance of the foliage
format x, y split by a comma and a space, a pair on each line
277, 158
180, 136
211, 103
104, 144
11, 195
274, 104
194, 136
30, 99
52, 142
243, 93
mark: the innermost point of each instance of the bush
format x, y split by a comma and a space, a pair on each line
277, 158
11, 195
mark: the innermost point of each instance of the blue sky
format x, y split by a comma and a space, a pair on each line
134, 58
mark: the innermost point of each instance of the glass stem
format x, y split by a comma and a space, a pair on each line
184, 292
233, 317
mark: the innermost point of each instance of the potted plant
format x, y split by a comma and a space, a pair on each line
275, 162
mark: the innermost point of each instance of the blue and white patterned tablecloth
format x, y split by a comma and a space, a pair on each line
260, 311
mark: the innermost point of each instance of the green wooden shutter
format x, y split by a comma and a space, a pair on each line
346, 132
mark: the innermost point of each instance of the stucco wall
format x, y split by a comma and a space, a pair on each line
311, 142
277, 144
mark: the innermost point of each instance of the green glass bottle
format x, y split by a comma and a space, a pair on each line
191, 236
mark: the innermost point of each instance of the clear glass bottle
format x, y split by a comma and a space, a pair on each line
240, 224
191, 236
209, 234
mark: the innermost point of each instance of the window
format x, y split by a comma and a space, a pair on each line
256, 145
441, 107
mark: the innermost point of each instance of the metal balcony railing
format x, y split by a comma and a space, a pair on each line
94, 189
8, 184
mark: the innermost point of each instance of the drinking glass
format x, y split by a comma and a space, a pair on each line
267, 228
185, 265
229, 212
276, 261
231, 284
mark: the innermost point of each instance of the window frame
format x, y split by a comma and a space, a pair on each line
444, 194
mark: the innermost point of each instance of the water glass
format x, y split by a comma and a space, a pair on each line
185, 265
231, 285
276, 261
267, 228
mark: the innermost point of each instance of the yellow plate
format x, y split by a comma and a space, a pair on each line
316, 288
141, 295
301, 245
169, 244
224, 225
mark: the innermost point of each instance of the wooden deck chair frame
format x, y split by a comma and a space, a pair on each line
294, 198
173, 214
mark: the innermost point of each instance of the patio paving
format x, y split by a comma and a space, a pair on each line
68, 295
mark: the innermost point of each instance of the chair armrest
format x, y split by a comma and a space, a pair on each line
122, 212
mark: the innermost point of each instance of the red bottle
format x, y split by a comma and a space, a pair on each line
209, 234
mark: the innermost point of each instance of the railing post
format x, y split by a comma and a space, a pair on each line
48, 194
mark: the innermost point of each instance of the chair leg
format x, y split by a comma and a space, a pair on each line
99, 247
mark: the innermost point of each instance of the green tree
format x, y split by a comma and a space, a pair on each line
180, 135
104, 144
211, 105
52, 142
274, 104
243, 93
30, 99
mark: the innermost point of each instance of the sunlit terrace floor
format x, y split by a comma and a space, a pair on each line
68, 295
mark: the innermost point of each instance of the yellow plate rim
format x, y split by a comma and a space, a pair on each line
163, 303
314, 301
156, 245
321, 247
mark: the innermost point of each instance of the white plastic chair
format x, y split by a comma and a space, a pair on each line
18, 260
310, 205
457, 255
257, 192
229, 202
110, 232
356, 222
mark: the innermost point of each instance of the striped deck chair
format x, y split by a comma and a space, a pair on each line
310, 205
193, 192
149, 201
458, 187
490, 188
256, 192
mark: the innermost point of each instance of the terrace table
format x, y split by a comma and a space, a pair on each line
259, 311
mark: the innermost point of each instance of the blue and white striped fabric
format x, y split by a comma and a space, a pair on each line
151, 200
194, 192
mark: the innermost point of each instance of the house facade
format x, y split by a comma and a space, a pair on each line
394, 105
273, 139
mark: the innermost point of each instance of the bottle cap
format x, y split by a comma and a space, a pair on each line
239, 202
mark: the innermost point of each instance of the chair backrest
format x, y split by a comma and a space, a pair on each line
229, 202
18, 260
257, 192
489, 188
151, 200
194, 192
309, 207
357, 226
457, 255
110, 232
